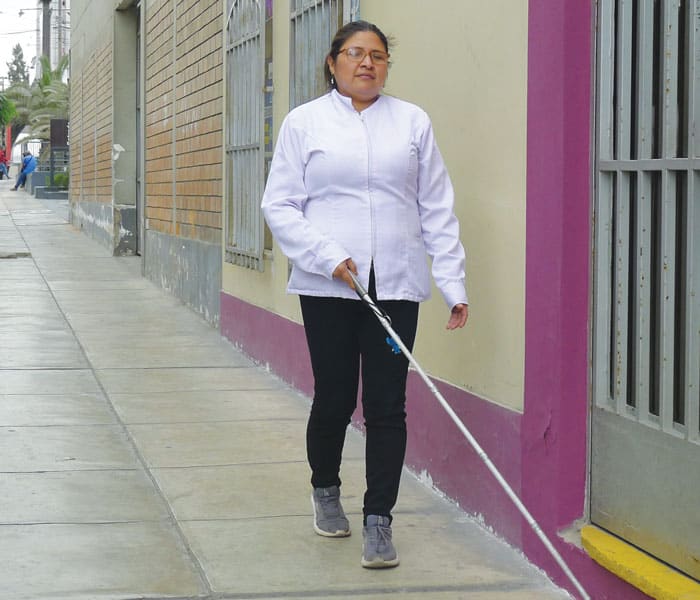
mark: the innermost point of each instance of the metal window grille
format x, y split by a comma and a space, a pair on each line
245, 138
647, 214
313, 25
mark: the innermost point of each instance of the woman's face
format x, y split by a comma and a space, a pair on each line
362, 81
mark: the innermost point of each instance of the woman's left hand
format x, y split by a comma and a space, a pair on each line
458, 317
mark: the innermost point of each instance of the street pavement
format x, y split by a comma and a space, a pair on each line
143, 456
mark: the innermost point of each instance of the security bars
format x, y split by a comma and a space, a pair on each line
647, 215
313, 25
245, 151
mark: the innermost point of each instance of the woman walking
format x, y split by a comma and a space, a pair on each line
357, 184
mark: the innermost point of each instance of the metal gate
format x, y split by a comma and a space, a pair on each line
245, 137
645, 462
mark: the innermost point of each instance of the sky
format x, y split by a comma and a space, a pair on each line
17, 30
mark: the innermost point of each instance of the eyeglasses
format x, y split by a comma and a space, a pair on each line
357, 55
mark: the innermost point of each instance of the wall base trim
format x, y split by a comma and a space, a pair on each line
190, 269
654, 578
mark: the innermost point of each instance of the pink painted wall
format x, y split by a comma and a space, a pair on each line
555, 418
554, 432
543, 452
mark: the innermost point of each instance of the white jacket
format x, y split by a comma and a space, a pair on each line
370, 186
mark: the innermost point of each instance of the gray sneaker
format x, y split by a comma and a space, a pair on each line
329, 518
377, 550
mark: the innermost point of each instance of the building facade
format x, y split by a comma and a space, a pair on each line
146, 132
568, 130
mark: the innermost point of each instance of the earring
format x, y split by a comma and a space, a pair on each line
332, 81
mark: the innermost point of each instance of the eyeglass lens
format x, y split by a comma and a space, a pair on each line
357, 54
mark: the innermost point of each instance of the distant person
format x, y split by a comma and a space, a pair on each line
28, 166
3, 164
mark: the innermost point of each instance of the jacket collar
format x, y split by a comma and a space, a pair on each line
347, 101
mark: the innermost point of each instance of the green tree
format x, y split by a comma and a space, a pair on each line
7, 110
17, 68
46, 98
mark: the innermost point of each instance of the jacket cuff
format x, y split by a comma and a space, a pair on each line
333, 255
454, 293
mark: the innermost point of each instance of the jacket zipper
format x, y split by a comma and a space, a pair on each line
369, 188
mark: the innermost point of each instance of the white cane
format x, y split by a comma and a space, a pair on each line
386, 323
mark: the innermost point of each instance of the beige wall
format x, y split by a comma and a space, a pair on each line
91, 28
466, 64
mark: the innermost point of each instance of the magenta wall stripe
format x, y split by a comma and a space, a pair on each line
558, 278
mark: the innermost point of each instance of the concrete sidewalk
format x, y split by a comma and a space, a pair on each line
143, 456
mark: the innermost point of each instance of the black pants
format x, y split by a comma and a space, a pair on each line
344, 336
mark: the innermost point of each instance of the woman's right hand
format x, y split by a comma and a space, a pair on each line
342, 272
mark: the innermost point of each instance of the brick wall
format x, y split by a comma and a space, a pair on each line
184, 88
91, 129
76, 134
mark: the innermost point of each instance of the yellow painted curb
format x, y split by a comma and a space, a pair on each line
635, 567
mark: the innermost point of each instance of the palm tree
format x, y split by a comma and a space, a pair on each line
46, 98
7, 110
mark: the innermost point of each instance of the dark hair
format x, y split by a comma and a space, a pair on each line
342, 36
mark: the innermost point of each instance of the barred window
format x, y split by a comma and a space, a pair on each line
313, 25
248, 64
